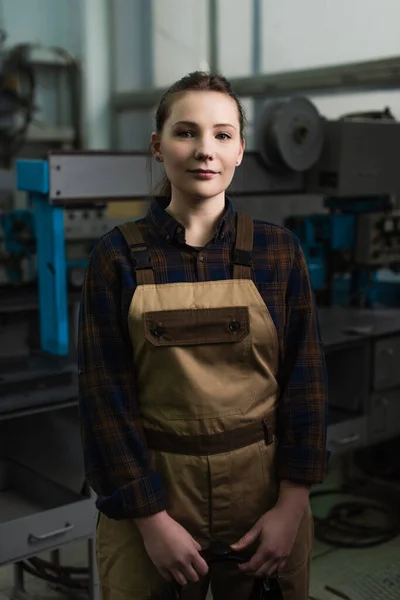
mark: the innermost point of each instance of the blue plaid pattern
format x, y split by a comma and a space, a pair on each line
115, 451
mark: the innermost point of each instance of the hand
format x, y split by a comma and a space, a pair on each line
172, 549
276, 532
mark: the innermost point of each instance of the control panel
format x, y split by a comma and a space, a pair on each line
378, 240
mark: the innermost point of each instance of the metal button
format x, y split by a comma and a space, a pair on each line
201, 257
158, 331
234, 326
179, 230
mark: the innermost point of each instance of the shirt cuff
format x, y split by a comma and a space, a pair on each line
140, 498
302, 464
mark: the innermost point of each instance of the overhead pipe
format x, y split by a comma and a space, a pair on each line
382, 74
213, 35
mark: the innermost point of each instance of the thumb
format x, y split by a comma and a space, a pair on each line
249, 538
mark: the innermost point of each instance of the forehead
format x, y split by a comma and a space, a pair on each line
204, 107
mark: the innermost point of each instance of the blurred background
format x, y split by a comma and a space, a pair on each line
79, 83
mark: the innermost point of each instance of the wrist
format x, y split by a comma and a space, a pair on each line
294, 496
151, 521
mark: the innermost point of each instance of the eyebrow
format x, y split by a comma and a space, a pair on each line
193, 124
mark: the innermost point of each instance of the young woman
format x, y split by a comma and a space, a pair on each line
202, 381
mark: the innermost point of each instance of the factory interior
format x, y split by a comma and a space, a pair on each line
79, 82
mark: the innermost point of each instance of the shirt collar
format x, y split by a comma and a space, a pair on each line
171, 230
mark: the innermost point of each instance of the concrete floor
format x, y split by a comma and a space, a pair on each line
329, 566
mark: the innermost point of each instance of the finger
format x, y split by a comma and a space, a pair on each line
190, 573
257, 561
268, 569
249, 538
282, 565
165, 574
197, 545
179, 577
271, 569
200, 565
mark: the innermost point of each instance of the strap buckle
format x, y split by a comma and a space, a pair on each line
242, 257
268, 430
141, 258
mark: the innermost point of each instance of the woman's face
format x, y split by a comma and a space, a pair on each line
200, 144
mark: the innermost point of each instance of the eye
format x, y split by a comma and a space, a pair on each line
184, 133
223, 136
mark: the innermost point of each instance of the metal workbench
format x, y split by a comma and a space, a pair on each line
44, 500
362, 353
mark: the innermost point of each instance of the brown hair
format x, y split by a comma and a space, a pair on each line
196, 81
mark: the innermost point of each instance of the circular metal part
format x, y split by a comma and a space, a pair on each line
76, 277
290, 134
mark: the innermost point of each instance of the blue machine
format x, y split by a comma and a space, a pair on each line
52, 265
329, 241
66, 181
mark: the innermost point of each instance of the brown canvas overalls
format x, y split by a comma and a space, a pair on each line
206, 359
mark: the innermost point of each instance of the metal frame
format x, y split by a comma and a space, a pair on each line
352, 77
213, 33
256, 52
146, 66
63, 180
33, 177
51, 261
94, 177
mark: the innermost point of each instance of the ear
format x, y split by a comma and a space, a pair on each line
241, 152
156, 146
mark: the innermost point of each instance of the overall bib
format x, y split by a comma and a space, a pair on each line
206, 358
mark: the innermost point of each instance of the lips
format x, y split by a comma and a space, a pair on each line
204, 171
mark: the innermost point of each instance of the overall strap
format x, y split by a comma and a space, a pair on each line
242, 258
140, 254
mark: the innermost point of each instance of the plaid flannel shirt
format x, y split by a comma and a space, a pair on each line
114, 443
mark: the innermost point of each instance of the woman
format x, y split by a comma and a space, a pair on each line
201, 373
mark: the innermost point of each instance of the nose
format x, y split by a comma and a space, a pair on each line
205, 150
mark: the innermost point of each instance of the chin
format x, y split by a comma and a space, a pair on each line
203, 191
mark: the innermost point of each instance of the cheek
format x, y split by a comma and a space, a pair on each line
175, 154
229, 160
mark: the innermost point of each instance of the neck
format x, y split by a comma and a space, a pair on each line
198, 217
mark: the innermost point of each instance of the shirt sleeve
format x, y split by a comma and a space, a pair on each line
114, 445
302, 409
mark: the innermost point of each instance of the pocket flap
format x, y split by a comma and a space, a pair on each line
197, 326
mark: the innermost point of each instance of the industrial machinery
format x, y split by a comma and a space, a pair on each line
17, 90
353, 249
19, 70
353, 161
29, 128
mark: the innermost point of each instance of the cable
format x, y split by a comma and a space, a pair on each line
345, 525
57, 575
